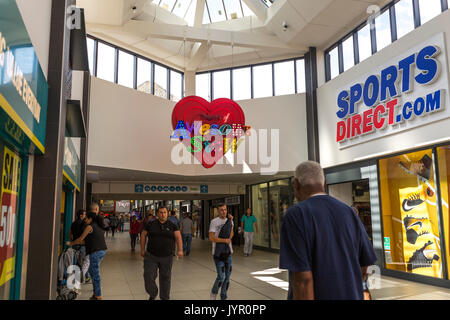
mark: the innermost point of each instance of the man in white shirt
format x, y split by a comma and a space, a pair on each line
223, 264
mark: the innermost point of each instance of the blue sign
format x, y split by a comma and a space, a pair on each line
138, 188
184, 188
204, 189
147, 189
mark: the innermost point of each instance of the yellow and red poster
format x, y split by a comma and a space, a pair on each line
9, 196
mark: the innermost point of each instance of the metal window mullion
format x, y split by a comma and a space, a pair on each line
444, 5
168, 83
242, 9
327, 67
356, 48
393, 20
225, 10
295, 76
252, 94
273, 79
373, 36
116, 65
341, 57
207, 10
174, 5
231, 84
442, 234
416, 10
152, 78
211, 85
94, 72
135, 72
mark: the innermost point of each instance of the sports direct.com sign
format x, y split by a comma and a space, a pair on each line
407, 92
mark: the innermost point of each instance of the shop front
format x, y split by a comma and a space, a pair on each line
23, 117
385, 149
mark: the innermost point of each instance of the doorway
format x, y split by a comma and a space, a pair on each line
355, 194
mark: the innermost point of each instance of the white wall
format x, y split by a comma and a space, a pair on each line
37, 18
330, 155
130, 130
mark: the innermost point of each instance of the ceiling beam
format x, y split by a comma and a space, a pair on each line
148, 29
199, 55
258, 8
199, 9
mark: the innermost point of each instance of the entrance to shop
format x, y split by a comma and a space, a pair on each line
357, 195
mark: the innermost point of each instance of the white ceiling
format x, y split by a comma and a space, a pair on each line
160, 35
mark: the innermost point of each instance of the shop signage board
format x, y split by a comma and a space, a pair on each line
164, 188
409, 91
23, 87
12, 166
72, 164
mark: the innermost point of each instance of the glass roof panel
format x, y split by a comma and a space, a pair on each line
181, 7
216, 10
190, 14
246, 9
167, 4
233, 9
268, 2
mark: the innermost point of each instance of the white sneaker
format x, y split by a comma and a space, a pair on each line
213, 296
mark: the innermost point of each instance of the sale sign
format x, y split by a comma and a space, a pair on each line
12, 165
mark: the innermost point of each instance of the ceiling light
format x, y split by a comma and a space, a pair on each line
134, 8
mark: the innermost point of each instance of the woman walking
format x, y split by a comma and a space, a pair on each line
248, 224
135, 229
94, 239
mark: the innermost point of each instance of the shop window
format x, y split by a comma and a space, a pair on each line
160, 81
126, 69
334, 63
280, 201
412, 242
444, 176
175, 86
404, 15
429, 9
90, 49
203, 86
364, 43
349, 55
242, 88
259, 210
284, 78
383, 30
262, 81
222, 85
301, 85
105, 62
144, 69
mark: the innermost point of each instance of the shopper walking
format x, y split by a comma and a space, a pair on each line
94, 238
135, 228
173, 218
323, 242
76, 230
187, 229
162, 235
249, 225
220, 234
121, 222
114, 222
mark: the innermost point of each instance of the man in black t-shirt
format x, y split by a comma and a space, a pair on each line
162, 235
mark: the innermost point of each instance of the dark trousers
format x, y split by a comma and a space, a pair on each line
151, 266
133, 240
113, 229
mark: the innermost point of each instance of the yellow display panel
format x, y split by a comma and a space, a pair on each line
444, 177
410, 214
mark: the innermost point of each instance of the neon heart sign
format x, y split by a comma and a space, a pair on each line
208, 129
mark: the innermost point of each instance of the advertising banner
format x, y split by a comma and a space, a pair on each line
9, 196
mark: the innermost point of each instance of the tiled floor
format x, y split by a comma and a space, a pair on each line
253, 278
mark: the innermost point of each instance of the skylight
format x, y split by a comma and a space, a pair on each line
268, 3
215, 10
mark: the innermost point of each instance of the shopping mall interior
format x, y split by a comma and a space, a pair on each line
137, 105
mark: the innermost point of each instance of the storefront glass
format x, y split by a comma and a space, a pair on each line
444, 177
412, 241
279, 202
259, 208
11, 165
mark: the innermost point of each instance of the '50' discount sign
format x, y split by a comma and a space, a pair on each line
10, 189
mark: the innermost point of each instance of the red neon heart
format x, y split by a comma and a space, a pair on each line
220, 111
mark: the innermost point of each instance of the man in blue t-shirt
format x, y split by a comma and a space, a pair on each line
248, 224
323, 243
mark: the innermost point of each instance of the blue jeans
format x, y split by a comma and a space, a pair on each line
223, 277
187, 239
94, 270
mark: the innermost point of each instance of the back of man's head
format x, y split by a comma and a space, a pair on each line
310, 175
93, 207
